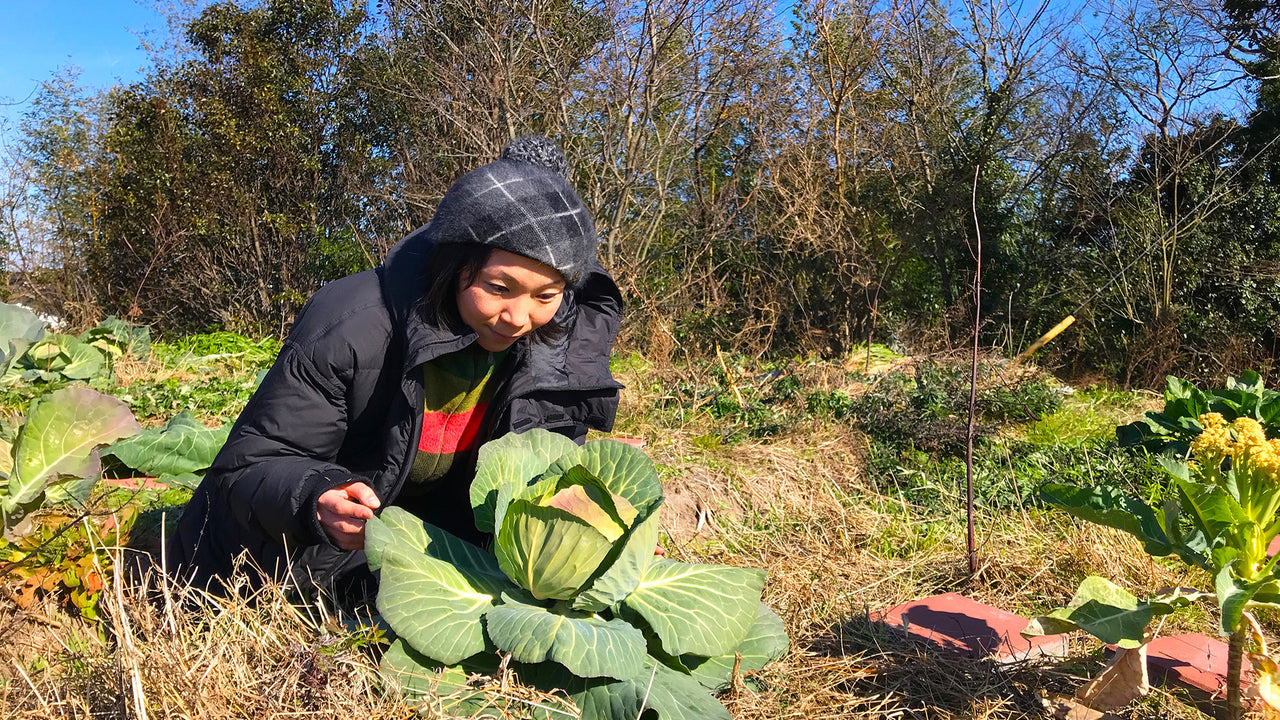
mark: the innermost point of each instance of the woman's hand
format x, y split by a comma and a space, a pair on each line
343, 510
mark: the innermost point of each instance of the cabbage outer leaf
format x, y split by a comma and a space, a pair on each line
655, 690
765, 642
676, 696
443, 690
401, 528
19, 328
623, 574
60, 440
511, 459
418, 674
435, 608
182, 446
587, 645
699, 609
548, 551
393, 525
624, 470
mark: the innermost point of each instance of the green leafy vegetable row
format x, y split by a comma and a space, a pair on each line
29, 354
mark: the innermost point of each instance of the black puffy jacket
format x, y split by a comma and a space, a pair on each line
345, 398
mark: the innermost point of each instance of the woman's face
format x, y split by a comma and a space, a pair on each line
510, 297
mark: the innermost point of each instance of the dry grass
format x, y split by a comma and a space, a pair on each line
165, 651
837, 551
181, 653
128, 370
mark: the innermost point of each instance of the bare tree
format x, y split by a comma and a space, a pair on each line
54, 172
978, 86
471, 75
1157, 58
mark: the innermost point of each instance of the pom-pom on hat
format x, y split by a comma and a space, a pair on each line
522, 203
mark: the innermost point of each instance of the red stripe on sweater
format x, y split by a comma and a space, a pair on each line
444, 433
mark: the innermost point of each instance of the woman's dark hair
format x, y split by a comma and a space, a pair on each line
446, 267
455, 264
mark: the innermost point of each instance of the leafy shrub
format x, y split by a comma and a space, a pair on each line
754, 418
1024, 402
572, 592
931, 411
833, 404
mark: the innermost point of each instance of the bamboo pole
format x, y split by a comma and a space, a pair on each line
1054, 332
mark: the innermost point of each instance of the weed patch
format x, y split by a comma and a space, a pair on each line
929, 411
1007, 472
183, 653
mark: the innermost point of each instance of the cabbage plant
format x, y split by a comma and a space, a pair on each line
571, 597
56, 455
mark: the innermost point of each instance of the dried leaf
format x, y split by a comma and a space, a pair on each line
1266, 688
1122, 681
1068, 709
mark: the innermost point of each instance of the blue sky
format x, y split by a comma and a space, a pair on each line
99, 36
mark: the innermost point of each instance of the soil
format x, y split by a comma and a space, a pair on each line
695, 500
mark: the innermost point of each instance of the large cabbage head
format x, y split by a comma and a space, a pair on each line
552, 543
570, 523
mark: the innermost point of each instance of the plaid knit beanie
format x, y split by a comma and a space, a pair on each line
521, 203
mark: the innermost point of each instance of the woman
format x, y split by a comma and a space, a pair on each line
494, 317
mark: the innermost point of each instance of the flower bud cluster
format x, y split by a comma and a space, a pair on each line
1243, 440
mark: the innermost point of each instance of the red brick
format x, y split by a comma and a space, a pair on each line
954, 623
1197, 660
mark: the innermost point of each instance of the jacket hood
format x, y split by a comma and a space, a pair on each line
591, 314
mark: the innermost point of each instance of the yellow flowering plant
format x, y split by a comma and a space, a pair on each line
1238, 470
1219, 513
1171, 430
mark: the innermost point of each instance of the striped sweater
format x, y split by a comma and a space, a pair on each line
458, 389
